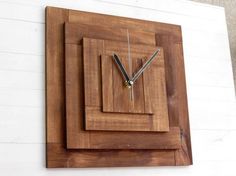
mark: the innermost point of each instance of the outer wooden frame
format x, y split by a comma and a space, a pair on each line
57, 154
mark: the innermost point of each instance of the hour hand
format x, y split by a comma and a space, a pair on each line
122, 70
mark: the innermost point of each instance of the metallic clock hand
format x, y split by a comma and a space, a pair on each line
149, 61
122, 70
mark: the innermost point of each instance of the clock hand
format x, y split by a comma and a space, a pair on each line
149, 61
130, 66
122, 70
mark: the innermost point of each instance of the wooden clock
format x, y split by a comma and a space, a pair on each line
116, 92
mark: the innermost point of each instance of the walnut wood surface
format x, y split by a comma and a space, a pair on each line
177, 94
124, 115
57, 154
78, 138
76, 31
58, 157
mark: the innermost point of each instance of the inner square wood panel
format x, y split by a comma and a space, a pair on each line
119, 98
78, 138
121, 117
57, 154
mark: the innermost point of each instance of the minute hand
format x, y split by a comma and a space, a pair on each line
149, 61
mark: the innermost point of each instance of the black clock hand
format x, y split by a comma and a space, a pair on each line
149, 61
122, 70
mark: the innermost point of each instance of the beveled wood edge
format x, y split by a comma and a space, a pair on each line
49, 138
63, 158
67, 158
184, 155
139, 141
186, 148
69, 25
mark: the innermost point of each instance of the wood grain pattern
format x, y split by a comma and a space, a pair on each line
78, 138
95, 119
55, 98
107, 83
155, 89
57, 155
137, 104
177, 96
124, 115
74, 69
120, 92
92, 50
76, 31
101, 20
183, 108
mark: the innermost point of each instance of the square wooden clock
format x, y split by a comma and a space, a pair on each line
115, 92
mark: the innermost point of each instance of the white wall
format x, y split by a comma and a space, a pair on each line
212, 103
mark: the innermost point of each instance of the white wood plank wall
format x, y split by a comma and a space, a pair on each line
212, 104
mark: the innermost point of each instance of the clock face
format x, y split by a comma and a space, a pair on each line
129, 80
132, 82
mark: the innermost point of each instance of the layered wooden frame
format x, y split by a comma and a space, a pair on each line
104, 88
166, 35
79, 138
